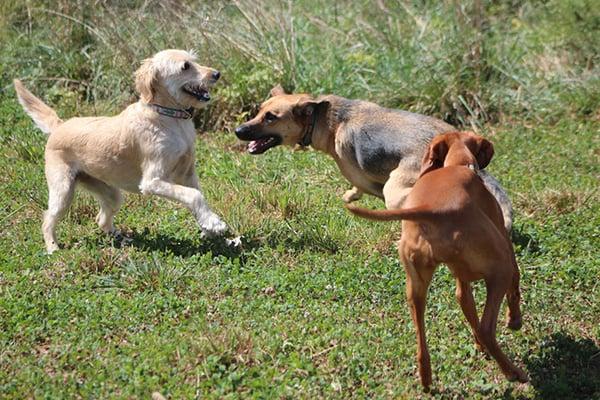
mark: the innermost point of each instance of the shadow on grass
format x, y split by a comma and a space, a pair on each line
218, 247
562, 368
165, 243
188, 247
524, 241
565, 368
301, 241
184, 247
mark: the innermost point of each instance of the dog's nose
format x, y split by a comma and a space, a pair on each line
240, 129
216, 75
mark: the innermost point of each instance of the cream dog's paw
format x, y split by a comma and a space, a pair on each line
51, 248
235, 242
213, 226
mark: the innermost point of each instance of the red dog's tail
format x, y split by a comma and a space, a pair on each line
421, 212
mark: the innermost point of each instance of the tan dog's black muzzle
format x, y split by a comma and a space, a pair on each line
243, 132
259, 142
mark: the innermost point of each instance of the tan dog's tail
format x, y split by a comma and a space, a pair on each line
392, 215
44, 117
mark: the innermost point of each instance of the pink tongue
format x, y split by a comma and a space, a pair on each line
257, 144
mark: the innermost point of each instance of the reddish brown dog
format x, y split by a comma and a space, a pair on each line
450, 217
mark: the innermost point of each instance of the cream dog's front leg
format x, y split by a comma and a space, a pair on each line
192, 198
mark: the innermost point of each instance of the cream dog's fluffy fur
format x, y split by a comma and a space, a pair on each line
139, 150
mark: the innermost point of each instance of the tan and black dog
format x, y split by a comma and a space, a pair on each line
377, 149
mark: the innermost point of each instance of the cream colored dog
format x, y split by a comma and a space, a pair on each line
148, 148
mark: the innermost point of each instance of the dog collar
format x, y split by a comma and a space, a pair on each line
173, 112
307, 138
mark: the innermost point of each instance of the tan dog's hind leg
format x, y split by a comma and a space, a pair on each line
496, 289
110, 200
352, 195
464, 295
61, 186
398, 186
418, 277
513, 298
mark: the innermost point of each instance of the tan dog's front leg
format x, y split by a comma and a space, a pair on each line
464, 295
192, 198
352, 195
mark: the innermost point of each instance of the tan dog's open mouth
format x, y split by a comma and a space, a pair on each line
263, 144
197, 92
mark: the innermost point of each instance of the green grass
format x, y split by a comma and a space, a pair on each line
313, 306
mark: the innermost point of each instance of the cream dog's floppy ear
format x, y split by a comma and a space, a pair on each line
434, 157
145, 79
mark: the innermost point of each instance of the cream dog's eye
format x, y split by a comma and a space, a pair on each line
270, 117
186, 66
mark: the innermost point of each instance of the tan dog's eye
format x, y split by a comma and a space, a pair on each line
270, 117
186, 66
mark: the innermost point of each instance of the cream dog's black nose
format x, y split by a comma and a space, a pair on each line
216, 75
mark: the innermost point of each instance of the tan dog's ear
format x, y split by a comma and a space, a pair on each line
306, 107
485, 153
145, 79
277, 91
434, 157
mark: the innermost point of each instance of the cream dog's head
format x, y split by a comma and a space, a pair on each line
174, 77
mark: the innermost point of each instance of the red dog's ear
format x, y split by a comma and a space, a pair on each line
277, 91
434, 156
485, 152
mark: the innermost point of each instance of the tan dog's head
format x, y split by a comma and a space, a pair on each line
174, 76
457, 148
282, 119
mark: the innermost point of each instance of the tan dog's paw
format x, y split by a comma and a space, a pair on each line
514, 324
480, 347
522, 377
352, 195
517, 375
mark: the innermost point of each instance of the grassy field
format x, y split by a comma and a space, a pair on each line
313, 305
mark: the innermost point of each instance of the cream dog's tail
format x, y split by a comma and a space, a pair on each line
44, 117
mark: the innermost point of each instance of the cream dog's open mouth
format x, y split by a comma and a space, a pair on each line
197, 92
